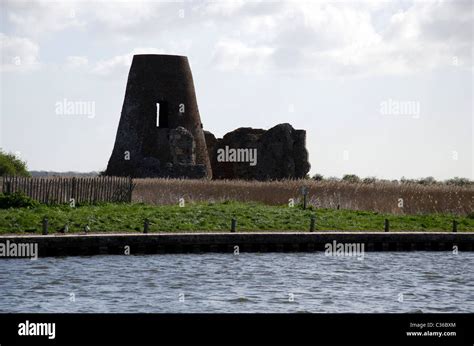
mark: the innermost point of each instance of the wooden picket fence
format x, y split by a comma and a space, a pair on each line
59, 190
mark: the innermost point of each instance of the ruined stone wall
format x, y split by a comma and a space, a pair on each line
169, 141
280, 153
182, 146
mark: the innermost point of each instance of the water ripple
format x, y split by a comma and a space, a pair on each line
269, 282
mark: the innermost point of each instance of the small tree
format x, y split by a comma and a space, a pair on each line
369, 180
459, 181
11, 165
351, 178
404, 180
16, 200
427, 181
318, 177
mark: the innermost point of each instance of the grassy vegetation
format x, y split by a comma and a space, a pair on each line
379, 196
351, 194
215, 217
11, 165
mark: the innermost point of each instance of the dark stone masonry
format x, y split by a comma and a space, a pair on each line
280, 153
160, 133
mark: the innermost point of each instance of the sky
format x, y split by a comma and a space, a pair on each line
382, 88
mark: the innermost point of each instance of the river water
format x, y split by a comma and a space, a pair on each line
249, 282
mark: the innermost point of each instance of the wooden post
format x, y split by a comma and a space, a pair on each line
95, 189
455, 226
304, 191
99, 188
313, 223
60, 191
48, 183
45, 225
34, 188
130, 188
78, 190
40, 189
106, 189
91, 190
233, 225
73, 188
30, 188
146, 225
387, 225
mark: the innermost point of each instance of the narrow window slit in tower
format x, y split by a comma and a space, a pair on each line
161, 115
157, 115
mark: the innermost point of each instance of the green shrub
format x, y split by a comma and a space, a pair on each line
404, 180
351, 178
16, 200
427, 181
369, 180
459, 181
318, 177
11, 165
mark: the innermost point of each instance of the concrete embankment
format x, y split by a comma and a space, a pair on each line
126, 243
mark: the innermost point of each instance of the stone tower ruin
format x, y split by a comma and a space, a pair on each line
160, 133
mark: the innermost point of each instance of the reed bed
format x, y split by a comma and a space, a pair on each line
383, 197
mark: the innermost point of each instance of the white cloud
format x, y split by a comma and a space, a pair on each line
120, 63
34, 18
232, 54
328, 38
18, 53
76, 61
125, 15
341, 39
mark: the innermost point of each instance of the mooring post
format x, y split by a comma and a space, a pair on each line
387, 225
455, 226
146, 224
233, 225
45, 225
313, 223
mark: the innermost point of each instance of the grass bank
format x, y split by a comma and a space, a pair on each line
216, 217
